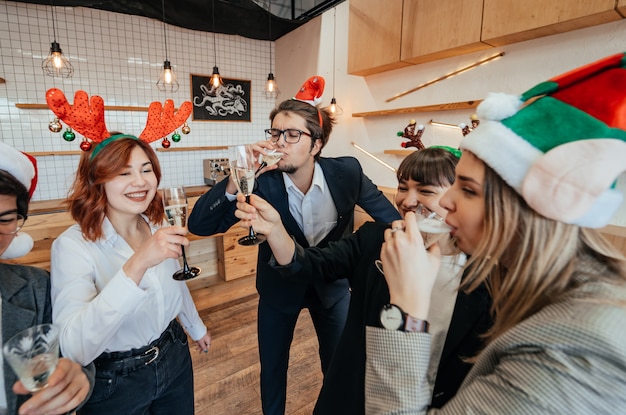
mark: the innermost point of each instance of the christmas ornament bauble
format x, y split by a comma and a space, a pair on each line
176, 137
166, 143
186, 129
55, 126
69, 135
85, 145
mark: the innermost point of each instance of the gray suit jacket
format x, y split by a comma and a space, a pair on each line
25, 293
568, 358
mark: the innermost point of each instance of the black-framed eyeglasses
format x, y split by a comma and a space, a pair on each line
291, 135
11, 224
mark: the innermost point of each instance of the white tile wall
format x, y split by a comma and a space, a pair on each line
118, 57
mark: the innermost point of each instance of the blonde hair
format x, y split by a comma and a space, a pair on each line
529, 261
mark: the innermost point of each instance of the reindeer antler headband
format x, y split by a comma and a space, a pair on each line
86, 116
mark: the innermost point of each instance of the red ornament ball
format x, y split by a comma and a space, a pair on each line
403, 145
85, 145
166, 143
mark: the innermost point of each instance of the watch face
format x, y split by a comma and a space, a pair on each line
391, 317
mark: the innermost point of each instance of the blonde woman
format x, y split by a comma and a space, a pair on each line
534, 182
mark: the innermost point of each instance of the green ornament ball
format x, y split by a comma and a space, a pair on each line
176, 137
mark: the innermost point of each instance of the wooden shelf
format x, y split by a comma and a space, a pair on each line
193, 148
449, 106
106, 107
398, 152
79, 152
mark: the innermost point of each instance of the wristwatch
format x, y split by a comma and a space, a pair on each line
393, 317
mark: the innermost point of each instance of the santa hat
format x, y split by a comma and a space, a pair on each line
20, 165
23, 167
562, 144
311, 91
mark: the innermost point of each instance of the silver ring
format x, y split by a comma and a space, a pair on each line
396, 229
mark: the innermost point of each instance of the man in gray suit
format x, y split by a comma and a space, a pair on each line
25, 294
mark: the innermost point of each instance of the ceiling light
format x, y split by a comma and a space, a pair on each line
56, 64
333, 107
216, 79
167, 80
271, 90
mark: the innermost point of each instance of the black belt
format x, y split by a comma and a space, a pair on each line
131, 360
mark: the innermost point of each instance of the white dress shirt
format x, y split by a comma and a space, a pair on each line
315, 212
99, 309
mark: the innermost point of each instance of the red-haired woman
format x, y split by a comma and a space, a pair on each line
112, 289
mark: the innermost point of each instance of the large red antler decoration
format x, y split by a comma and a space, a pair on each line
86, 116
162, 120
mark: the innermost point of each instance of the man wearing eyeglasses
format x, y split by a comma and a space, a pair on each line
316, 197
25, 299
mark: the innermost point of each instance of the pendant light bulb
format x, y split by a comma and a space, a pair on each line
334, 108
56, 64
271, 90
167, 80
216, 78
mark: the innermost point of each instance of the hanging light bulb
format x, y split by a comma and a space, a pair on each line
216, 79
167, 80
334, 108
56, 64
271, 90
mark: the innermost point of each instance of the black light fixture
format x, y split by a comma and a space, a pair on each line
216, 79
333, 107
56, 64
167, 80
271, 90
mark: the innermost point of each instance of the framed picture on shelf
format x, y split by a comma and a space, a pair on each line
231, 102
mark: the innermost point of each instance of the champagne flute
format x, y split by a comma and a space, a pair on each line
242, 172
432, 227
175, 204
269, 159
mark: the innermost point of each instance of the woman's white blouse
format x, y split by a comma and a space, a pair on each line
100, 309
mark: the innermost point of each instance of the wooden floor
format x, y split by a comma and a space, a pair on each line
227, 377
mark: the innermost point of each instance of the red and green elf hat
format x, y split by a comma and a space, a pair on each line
562, 144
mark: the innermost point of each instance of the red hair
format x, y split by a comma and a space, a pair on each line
87, 201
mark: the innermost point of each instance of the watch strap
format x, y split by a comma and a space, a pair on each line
415, 325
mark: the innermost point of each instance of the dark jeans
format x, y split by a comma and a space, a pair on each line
275, 331
162, 387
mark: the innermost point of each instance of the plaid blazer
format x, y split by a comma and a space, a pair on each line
568, 358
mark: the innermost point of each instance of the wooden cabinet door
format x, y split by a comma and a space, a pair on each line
439, 29
374, 35
621, 7
510, 21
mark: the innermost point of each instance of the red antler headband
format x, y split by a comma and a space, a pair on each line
86, 116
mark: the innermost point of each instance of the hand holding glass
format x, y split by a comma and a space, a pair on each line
242, 171
33, 355
175, 204
432, 227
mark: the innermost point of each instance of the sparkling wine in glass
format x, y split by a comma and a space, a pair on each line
269, 159
33, 354
432, 227
175, 204
242, 171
